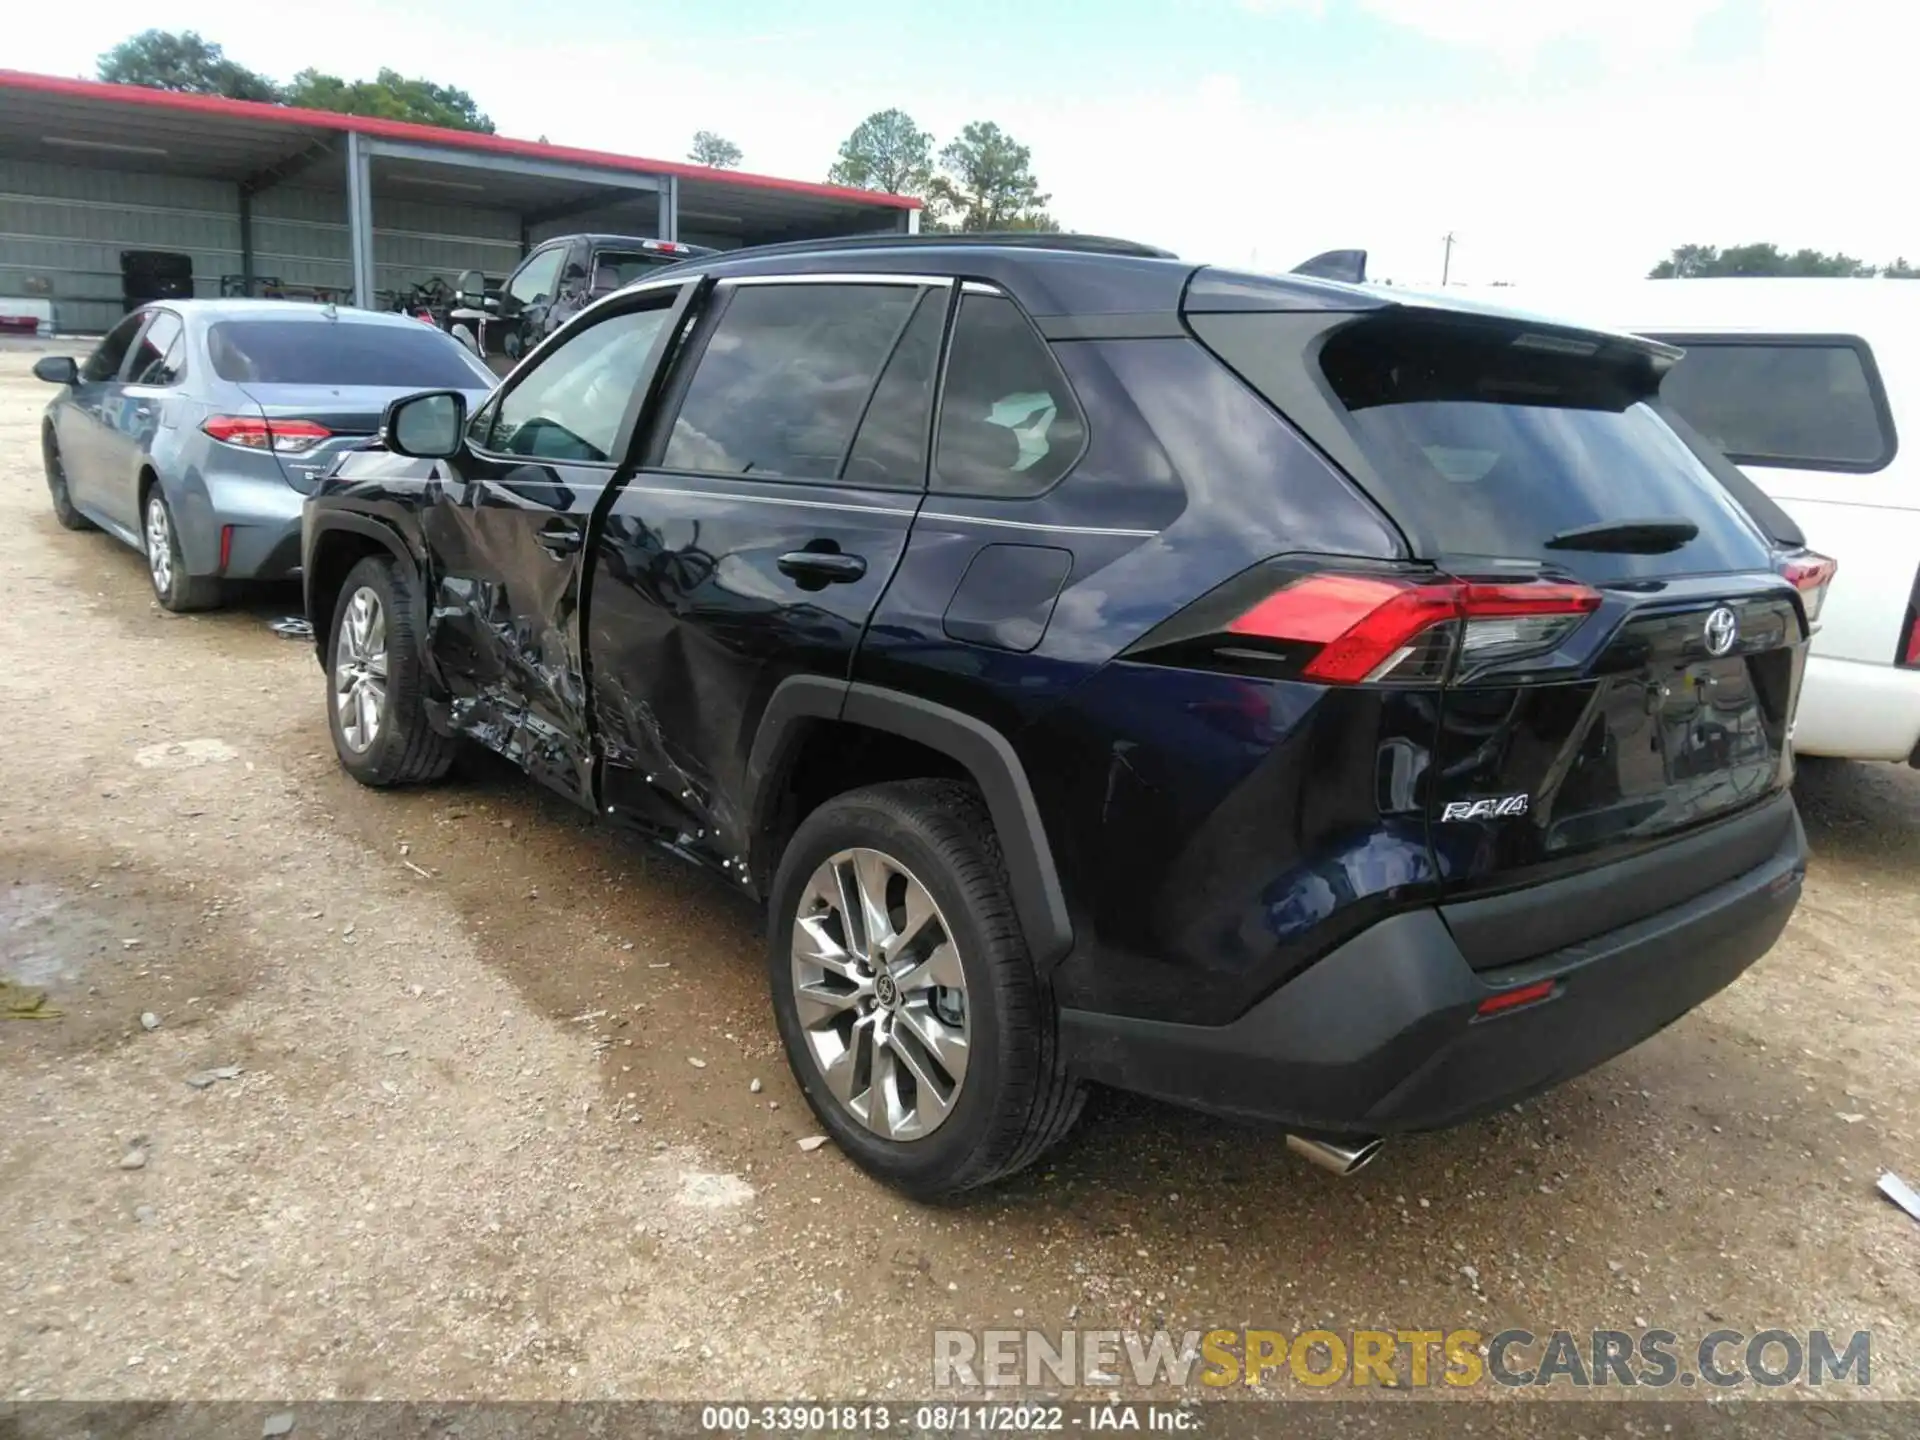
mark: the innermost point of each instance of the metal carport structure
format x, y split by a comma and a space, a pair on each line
337, 203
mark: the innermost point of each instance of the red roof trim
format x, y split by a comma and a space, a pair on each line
427, 134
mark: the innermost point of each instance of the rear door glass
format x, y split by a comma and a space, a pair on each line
341, 352
1808, 404
784, 379
1493, 446
158, 360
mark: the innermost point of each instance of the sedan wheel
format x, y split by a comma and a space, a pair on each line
881, 994
159, 543
360, 670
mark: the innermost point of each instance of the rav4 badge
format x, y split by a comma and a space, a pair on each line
1493, 809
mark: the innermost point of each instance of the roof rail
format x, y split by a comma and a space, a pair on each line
1023, 239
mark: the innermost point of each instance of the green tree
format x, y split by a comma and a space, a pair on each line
1693, 261
163, 60
1901, 270
888, 152
715, 150
389, 96
986, 183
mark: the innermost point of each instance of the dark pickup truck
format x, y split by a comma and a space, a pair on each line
501, 322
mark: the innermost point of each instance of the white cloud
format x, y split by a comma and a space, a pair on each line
1517, 30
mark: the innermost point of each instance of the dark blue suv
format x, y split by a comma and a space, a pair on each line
1288, 698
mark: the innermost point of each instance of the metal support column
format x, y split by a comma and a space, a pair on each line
360, 218
246, 238
669, 208
912, 222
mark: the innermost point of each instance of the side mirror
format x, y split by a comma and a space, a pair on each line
470, 290
56, 370
432, 426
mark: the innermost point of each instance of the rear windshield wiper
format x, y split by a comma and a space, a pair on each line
1627, 537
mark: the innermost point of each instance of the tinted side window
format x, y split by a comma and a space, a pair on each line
784, 378
538, 277
570, 405
1814, 405
104, 363
1009, 424
159, 359
891, 449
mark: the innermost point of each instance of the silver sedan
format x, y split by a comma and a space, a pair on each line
196, 427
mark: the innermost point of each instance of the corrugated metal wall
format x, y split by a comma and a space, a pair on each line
62, 229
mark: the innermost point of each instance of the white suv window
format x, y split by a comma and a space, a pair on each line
1805, 403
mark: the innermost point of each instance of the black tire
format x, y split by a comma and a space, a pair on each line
63, 510
406, 749
1016, 1099
180, 592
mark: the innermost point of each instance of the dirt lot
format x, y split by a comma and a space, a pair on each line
494, 1131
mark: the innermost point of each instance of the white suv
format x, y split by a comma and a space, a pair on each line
1807, 385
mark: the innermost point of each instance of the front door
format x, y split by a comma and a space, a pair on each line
777, 492
506, 535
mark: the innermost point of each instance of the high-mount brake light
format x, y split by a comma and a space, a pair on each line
1810, 573
1389, 628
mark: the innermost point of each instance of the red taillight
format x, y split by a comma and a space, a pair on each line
255, 432
1809, 573
226, 547
1369, 626
1911, 654
1516, 997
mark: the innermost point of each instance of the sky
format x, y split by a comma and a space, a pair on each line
1556, 140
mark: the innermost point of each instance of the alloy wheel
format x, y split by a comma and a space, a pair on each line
881, 994
360, 670
159, 543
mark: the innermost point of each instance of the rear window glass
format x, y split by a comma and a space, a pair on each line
340, 352
615, 268
1774, 402
1492, 447
1009, 424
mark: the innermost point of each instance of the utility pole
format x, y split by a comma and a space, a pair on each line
1446, 262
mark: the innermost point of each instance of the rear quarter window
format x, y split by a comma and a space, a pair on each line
1797, 402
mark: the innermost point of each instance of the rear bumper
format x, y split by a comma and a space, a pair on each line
1853, 710
265, 515
1382, 1035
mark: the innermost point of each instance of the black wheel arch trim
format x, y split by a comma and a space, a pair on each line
981, 750
352, 522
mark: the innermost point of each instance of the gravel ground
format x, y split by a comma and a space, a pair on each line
494, 1133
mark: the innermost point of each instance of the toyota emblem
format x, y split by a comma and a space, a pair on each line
1723, 629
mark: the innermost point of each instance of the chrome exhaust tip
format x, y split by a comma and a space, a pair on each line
1340, 1158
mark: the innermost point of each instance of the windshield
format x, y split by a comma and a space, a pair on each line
341, 352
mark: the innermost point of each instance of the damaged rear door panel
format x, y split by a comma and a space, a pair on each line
778, 488
507, 526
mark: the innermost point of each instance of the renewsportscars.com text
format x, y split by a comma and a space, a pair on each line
1402, 1359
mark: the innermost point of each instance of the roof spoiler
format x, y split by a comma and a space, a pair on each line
1347, 265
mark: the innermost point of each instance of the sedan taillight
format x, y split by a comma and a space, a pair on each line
255, 432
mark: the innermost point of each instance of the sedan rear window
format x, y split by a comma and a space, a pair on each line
340, 352
1495, 440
